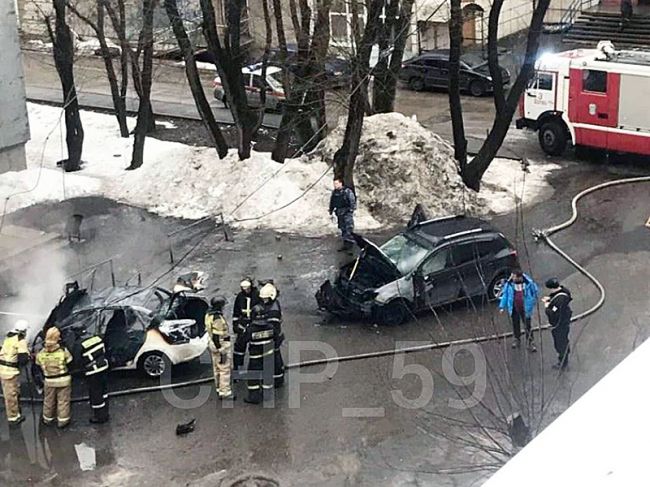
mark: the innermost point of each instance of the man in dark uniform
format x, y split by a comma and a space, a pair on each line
245, 301
273, 312
343, 203
558, 312
96, 370
260, 341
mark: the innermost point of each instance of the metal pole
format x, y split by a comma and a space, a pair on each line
110, 263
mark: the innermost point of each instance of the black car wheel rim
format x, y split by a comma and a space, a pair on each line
549, 138
154, 365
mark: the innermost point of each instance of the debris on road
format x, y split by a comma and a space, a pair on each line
185, 428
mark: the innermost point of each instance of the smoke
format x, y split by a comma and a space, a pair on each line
34, 288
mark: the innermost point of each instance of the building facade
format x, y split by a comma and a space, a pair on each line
14, 126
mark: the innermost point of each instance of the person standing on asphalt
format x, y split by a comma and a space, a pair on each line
343, 203
220, 348
13, 355
519, 297
261, 343
54, 359
242, 310
558, 312
273, 313
93, 353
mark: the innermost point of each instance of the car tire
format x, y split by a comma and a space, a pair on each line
394, 313
416, 84
477, 88
553, 138
154, 364
496, 287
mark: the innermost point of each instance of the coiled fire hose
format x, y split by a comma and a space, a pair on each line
540, 235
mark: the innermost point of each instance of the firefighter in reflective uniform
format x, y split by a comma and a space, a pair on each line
247, 298
260, 341
13, 355
54, 359
220, 347
96, 370
273, 312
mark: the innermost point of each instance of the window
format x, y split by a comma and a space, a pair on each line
258, 82
595, 81
464, 253
404, 252
341, 21
543, 81
436, 263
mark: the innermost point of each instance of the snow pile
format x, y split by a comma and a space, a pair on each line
400, 164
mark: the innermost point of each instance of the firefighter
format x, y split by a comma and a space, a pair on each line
54, 359
247, 298
13, 355
558, 312
261, 344
343, 203
96, 371
273, 312
220, 347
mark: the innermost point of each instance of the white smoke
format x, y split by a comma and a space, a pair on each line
34, 289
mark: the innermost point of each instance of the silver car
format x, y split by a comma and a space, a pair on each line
254, 83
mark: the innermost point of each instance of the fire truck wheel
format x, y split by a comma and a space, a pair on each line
553, 138
477, 88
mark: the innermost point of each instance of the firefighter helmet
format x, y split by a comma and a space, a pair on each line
246, 283
268, 291
53, 336
218, 302
21, 326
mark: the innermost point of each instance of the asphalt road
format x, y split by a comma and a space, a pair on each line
316, 433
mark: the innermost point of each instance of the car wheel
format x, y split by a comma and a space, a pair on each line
416, 84
553, 138
154, 364
477, 88
496, 287
394, 313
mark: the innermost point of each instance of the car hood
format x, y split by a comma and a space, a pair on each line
373, 250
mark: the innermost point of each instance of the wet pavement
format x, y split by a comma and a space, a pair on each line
350, 427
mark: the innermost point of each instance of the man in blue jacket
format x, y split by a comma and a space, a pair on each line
519, 298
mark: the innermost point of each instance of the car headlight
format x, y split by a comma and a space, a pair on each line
489, 78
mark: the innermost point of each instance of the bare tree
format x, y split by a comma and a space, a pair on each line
194, 79
228, 61
118, 91
63, 50
473, 171
345, 157
392, 36
305, 88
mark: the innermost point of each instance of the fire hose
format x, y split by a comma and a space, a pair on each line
539, 235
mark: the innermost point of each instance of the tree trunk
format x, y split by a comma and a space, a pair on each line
119, 103
389, 65
118, 22
474, 171
345, 157
143, 82
63, 50
194, 79
455, 105
493, 56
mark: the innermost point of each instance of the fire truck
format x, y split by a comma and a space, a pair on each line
597, 98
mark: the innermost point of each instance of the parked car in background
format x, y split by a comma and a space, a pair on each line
149, 329
254, 84
431, 70
432, 263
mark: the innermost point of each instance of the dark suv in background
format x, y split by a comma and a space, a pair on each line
432, 263
431, 70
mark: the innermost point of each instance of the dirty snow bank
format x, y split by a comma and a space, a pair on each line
400, 164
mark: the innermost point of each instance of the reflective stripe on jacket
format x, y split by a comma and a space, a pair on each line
217, 328
12, 347
55, 367
94, 355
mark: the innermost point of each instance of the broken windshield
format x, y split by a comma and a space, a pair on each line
404, 252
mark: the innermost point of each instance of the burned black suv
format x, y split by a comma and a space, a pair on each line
432, 263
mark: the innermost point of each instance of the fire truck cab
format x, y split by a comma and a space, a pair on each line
597, 98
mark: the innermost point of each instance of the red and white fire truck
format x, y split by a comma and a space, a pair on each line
597, 98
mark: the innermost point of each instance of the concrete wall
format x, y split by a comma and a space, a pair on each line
14, 126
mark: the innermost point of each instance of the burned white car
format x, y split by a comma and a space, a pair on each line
432, 263
149, 329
